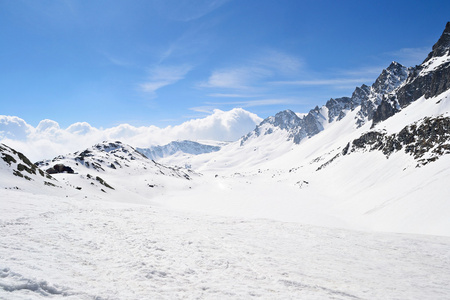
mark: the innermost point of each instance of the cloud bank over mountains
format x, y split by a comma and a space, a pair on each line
48, 139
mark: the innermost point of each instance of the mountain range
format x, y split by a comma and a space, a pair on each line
350, 151
347, 201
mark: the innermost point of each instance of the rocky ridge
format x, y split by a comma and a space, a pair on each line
364, 99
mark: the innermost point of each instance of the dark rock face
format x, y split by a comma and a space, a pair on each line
430, 136
20, 164
390, 78
337, 106
60, 168
388, 81
384, 111
311, 124
286, 119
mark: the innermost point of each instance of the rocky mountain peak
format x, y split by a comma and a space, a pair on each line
442, 46
390, 78
429, 79
285, 119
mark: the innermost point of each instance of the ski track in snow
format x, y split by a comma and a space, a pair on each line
53, 247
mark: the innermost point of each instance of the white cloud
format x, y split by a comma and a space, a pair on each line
81, 128
162, 76
48, 126
48, 140
14, 127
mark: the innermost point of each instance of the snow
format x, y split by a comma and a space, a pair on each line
434, 63
71, 248
417, 110
267, 220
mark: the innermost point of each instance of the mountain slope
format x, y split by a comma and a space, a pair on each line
18, 172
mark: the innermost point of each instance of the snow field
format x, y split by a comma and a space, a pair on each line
53, 247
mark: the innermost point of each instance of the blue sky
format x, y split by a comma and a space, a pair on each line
163, 62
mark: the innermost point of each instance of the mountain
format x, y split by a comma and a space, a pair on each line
394, 89
177, 147
373, 160
114, 167
365, 100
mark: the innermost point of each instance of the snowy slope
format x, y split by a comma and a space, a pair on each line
58, 248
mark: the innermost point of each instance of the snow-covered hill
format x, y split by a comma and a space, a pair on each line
115, 168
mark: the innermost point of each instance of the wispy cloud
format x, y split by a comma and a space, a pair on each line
410, 56
239, 78
260, 102
278, 62
363, 72
211, 106
254, 72
115, 60
162, 76
225, 95
188, 10
324, 82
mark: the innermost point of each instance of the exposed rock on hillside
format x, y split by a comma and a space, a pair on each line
20, 166
425, 140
